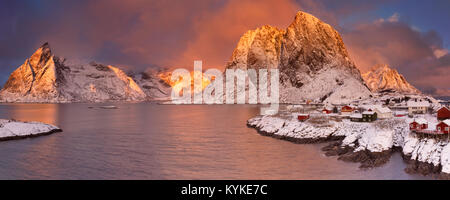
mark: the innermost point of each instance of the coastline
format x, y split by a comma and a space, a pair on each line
15, 130
19, 137
346, 151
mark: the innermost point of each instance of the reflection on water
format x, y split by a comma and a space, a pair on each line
148, 141
47, 113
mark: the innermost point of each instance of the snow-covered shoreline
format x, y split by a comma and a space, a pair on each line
12, 130
370, 144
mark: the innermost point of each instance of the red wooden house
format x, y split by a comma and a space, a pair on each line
303, 117
443, 127
443, 113
400, 114
346, 109
418, 124
327, 111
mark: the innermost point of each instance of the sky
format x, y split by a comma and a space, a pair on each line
412, 36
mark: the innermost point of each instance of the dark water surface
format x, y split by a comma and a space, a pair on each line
149, 141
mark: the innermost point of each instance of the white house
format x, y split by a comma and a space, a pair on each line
417, 107
382, 112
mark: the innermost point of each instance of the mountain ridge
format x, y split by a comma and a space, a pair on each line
311, 56
383, 78
45, 77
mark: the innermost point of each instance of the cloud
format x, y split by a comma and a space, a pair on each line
394, 18
439, 52
217, 33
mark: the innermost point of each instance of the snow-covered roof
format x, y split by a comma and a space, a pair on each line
368, 112
431, 126
367, 107
356, 116
447, 121
418, 104
421, 121
401, 112
378, 107
383, 109
443, 107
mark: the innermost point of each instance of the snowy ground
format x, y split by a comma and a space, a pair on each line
379, 136
15, 130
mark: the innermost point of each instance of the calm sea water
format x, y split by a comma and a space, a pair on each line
149, 141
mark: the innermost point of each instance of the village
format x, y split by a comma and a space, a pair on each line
368, 131
423, 118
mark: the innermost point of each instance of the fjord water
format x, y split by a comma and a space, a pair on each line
150, 141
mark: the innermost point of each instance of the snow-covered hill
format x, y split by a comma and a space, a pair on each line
312, 59
382, 78
45, 77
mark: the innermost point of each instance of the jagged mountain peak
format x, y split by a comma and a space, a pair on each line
302, 16
41, 56
46, 78
382, 68
383, 78
311, 56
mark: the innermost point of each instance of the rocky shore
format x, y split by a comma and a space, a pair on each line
370, 144
12, 130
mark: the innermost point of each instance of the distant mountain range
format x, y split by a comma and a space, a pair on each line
45, 77
310, 54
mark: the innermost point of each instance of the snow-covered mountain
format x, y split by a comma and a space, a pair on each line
45, 77
154, 83
382, 78
313, 61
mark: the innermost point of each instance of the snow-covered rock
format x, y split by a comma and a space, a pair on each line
312, 59
290, 128
409, 145
154, 83
376, 140
14, 129
445, 159
383, 78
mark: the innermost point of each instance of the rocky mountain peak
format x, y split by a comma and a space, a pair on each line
41, 56
318, 43
45, 78
308, 50
382, 78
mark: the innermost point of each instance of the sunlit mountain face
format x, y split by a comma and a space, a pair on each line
179, 84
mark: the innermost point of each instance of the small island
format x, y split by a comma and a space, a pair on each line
12, 129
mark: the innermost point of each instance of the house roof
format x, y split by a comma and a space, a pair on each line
383, 109
356, 116
377, 107
418, 104
368, 112
432, 126
421, 121
401, 112
443, 107
447, 121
